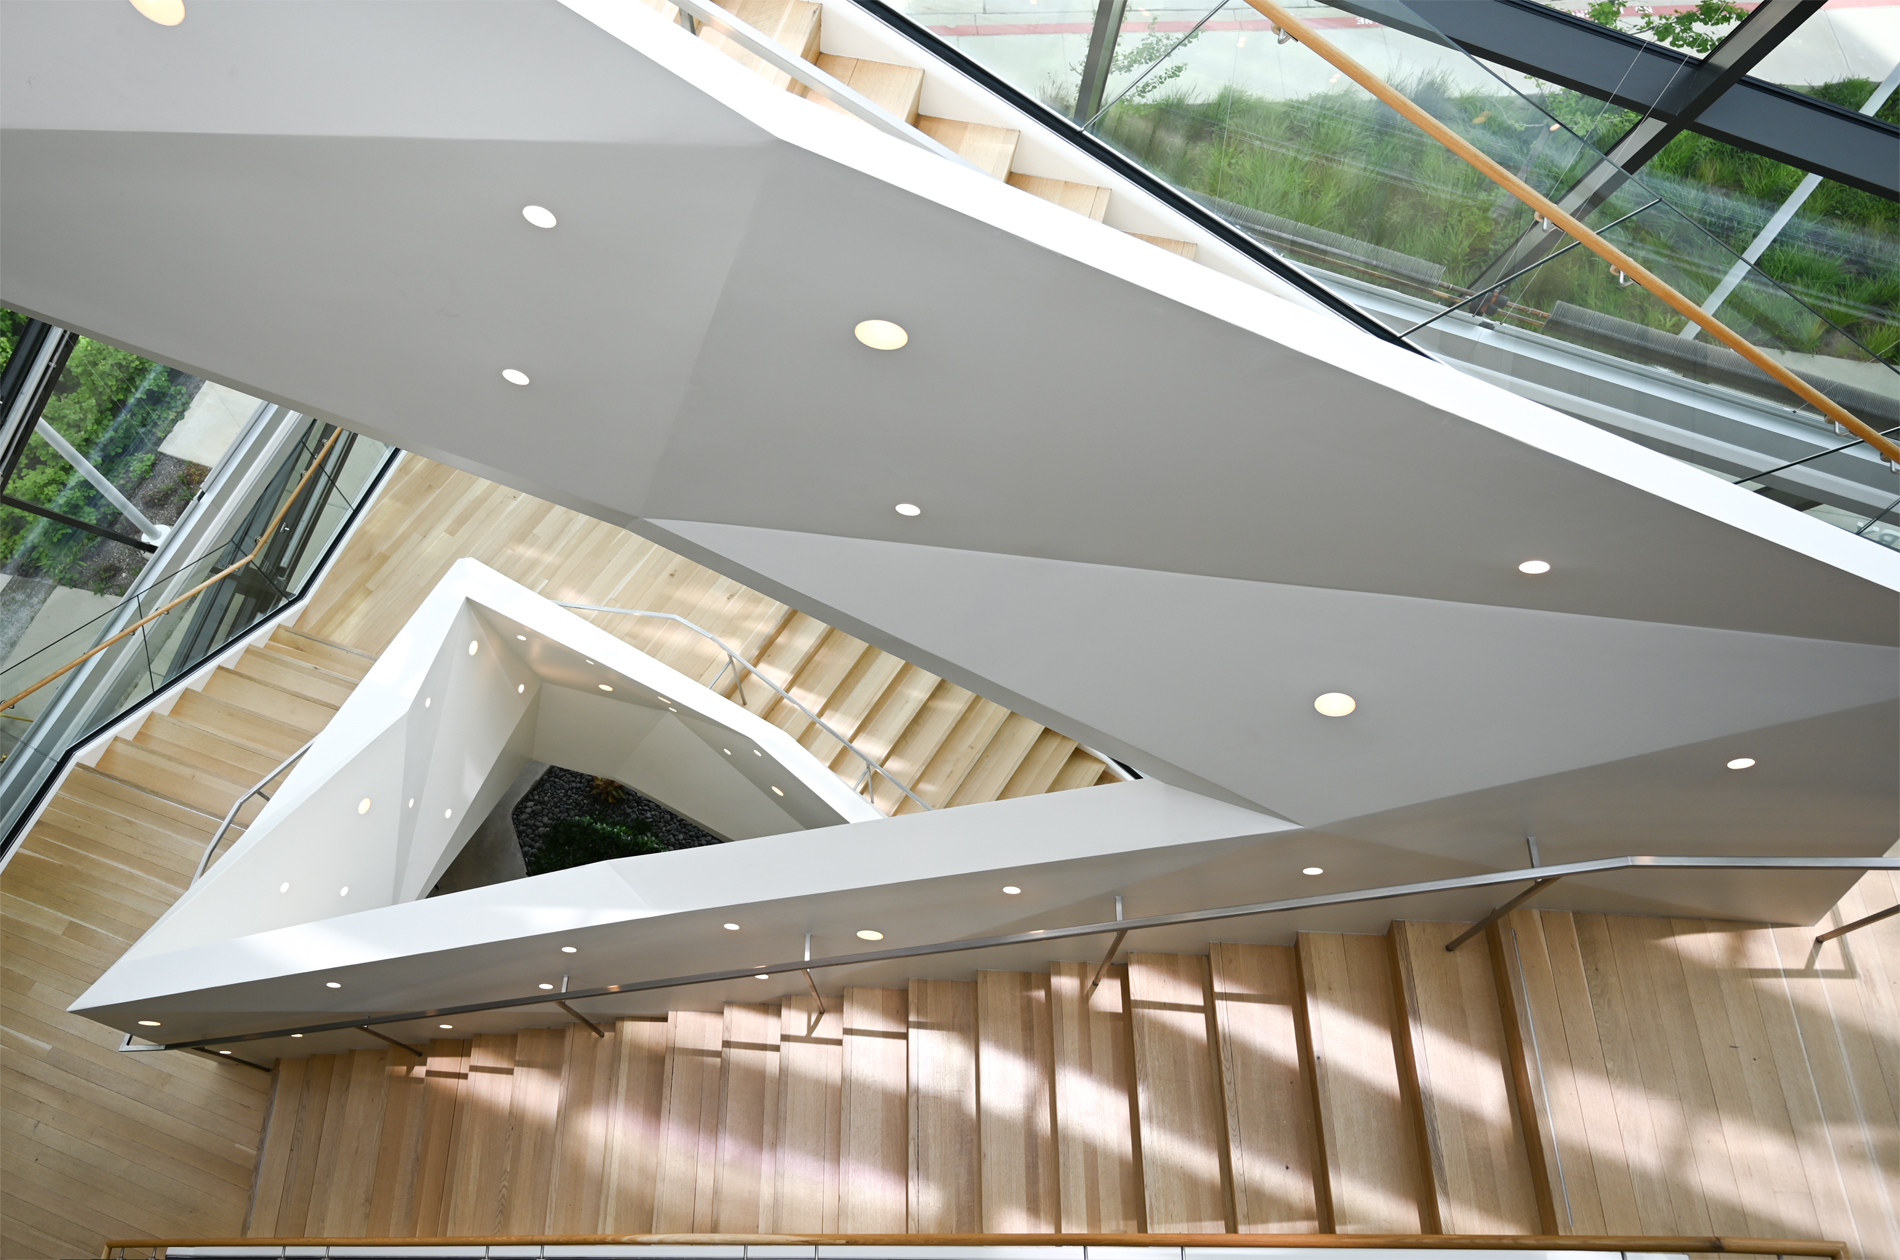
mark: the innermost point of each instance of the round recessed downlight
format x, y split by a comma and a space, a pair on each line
547, 986
362, 806
284, 887
224, 1052
757, 753
869, 934
521, 688
331, 984
472, 645
343, 891
909, 509
1312, 870
448, 813
761, 976
1011, 890
522, 637
1335, 704
881, 334
777, 791
605, 687
427, 701
731, 927
1534, 567
726, 751
148, 1023
164, 12
514, 376
569, 949
1741, 763
445, 1025
540, 216
296, 1035
662, 699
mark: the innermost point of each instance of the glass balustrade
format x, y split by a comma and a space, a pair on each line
1265, 132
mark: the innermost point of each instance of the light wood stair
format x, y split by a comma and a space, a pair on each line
1342, 1084
797, 26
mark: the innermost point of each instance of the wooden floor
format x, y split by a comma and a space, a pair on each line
1569, 1073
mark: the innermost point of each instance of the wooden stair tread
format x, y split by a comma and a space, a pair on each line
187, 783
262, 695
791, 24
177, 733
898, 89
300, 678
991, 149
1084, 199
239, 722
333, 656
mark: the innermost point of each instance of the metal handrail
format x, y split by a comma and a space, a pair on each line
736, 662
1540, 876
231, 815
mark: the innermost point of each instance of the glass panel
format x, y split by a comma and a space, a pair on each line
1839, 55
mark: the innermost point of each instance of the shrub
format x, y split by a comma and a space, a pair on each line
581, 841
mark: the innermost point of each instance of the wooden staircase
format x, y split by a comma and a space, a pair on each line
1344, 1084
796, 26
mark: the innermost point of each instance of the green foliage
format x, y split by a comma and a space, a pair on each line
1136, 57
1696, 30
581, 841
12, 324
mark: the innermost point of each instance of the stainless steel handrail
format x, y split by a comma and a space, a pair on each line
735, 662
1536, 875
231, 814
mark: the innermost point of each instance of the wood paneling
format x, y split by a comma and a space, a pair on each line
475, 1195
1269, 1109
1451, 1043
1094, 1101
1369, 1142
944, 1186
1183, 1136
628, 1196
810, 1068
874, 1112
689, 1123
1015, 1104
745, 1189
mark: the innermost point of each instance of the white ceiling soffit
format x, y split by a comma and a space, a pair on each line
485, 677
321, 204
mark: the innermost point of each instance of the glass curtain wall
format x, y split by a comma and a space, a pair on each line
1268, 134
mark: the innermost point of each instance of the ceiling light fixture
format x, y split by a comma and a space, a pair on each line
224, 1052
547, 986
445, 1025
777, 791
757, 753
148, 1023
362, 806
540, 216
412, 802
1534, 567
331, 984
521, 688
605, 687
343, 891
448, 813
296, 1034
1335, 704
881, 334
731, 927
472, 645
909, 509
163, 12
726, 751
868, 934
1011, 889
1312, 870
427, 701
761, 976
284, 887
569, 949
514, 376
662, 699
522, 637
1741, 763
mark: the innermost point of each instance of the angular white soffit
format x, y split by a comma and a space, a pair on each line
417, 756
921, 877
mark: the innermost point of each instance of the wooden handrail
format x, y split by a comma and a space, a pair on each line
1556, 214
255, 552
1693, 1245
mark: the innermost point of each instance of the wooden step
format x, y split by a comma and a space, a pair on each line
181, 781
874, 1112
175, 737
1084, 199
1082, 769
943, 1108
240, 723
999, 761
1020, 1193
960, 753
262, 696
790, 650
1046, 757
922, 736
791, 24
991, 149
1178, 1096
1369, 1142
1186, 249
133, 813
301, 678
897, 89
335, 657
1271, 1139
852, 702
901, 702
819, 681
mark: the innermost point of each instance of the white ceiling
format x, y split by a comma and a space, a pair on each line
1162, 508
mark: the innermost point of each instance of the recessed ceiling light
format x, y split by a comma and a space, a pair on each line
514, 376
362, 806
726, 751
331, 984
296, 1034
540, 216
777, 791
284, 887
881, 334
472, 645
1312, 870
757, 753
164, 12
585, 659
412, 802
1335, 704
569, 949
761, 976
448, 813
547, 986
1534, 566
148, 1023
520, 688
732, 927
909, 509
868, 934
1741, 763
522, 637
662, 699
427, 701
224, 1052
445, 1025
343, 891
1011, 889
605, 687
